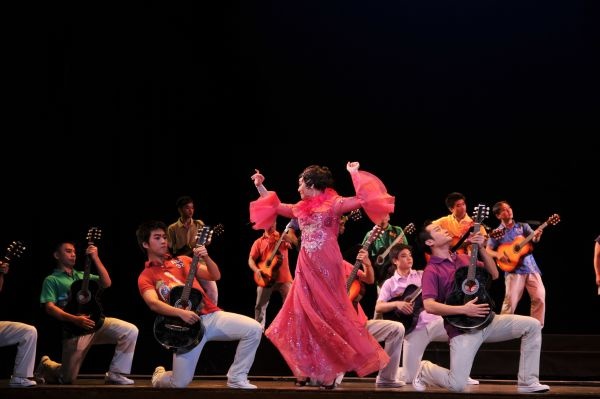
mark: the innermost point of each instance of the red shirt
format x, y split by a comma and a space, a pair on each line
171, 273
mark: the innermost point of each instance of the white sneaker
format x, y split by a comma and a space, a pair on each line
417, 382
390, 384
21, 382
117, 379
535, 387
158, 371
245, 384
471, 381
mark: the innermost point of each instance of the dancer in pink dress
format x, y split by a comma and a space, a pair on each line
317, 330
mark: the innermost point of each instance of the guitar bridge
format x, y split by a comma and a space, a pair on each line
175, 327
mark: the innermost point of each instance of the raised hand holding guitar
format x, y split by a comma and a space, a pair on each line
471, 283
510, 254
84, 302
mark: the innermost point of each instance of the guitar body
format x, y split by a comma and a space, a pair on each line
356, 291
384, 270
476, 288
172, 332
268, 271
513, 252
84, 302
408, 320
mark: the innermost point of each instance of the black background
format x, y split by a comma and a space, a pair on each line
112, 112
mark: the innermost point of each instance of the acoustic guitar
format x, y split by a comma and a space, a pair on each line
85, 294
513, 252
354, 287
471, 282
269, 268
172, 332
412, 294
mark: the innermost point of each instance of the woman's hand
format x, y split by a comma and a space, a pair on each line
352, 167
257, 178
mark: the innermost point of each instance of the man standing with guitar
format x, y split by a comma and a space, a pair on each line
269, 262
526, 273
182, 236
56, 296
438, 285
458, 222
163, 274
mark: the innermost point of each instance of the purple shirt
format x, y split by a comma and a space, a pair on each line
438, 281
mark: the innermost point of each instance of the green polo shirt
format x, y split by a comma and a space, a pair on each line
57, 286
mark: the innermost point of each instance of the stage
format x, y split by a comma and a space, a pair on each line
214, 387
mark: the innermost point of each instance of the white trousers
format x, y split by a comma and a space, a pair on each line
218, 326
464, 347
25, 337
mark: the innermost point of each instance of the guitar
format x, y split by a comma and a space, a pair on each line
513, 252
84, 298
383, 262
269, 269
172, 332
14, 251
354, 288
471, 282
188, 250
412, 294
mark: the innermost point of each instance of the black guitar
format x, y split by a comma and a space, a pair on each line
172, 332
412, 294
471, 282
84, 298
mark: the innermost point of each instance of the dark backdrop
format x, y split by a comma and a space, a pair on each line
112, 113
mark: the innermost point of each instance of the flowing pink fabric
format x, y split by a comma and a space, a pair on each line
374, 199
317, 330
263, 211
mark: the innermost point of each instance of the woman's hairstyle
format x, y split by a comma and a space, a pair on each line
317, 176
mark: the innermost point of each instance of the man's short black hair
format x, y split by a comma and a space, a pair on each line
184, 200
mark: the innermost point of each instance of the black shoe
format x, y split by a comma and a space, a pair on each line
328, 387
300, 383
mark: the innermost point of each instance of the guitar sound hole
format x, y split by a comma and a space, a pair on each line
84, 296
470, 287
182, 304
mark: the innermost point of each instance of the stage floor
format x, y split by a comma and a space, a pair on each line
282, 387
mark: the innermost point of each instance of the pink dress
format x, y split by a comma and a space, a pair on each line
317, 330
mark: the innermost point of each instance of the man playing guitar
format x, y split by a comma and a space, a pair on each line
264, 254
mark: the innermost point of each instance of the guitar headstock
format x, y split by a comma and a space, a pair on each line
94, 234
409, 228
14, 250
554, 219
375, 233
204, 235
218, 230
480, 212
355, 215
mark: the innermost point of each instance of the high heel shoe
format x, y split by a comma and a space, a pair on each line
328, 387
300, 383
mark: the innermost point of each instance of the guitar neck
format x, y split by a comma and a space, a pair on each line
530, 236
86, 273
396, 241
190, 278
474, 254
357, 264
285, 231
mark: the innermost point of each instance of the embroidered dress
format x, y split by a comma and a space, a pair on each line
317, 329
